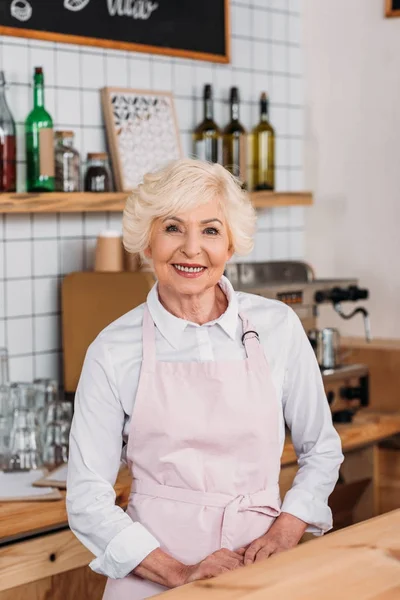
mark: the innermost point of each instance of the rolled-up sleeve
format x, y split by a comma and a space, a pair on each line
118, 543
316, 442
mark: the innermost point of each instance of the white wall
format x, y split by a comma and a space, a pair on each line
37, 251
353, 152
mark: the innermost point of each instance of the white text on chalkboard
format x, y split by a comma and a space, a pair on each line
137, 9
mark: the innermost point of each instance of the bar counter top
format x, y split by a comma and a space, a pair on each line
361, 562
20, 520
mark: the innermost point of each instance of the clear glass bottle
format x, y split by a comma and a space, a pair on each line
234, 141
68, 163
263, 150
98, 176
207, 136
39, 141
8, 158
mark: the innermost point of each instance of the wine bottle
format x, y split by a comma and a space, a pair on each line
234, 140
8, 159
39, 141
263, 150
207, 137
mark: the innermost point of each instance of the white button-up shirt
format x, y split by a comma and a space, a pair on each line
106, 395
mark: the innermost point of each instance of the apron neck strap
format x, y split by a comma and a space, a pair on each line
149, 338
250, 338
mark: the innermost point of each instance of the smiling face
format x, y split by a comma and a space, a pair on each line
189, 249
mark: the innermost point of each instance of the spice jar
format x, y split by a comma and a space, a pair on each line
98, 176
67, 163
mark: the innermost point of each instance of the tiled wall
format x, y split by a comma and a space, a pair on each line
36, 251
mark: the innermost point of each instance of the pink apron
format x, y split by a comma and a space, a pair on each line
205, 456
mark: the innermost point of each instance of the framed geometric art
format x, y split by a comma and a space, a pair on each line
392, 8
142, 133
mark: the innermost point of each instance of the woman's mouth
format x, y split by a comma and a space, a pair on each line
189, 271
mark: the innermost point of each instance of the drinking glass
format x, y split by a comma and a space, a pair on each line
25, 451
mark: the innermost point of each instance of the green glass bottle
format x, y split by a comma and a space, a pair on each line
263, 141
39, 141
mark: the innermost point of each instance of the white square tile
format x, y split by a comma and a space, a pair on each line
280, 245
295, 29
246, 116
241, 53
18, 259
241, 20
93, 70
46, 295
296, 245
89, 249
162, 76
262, 248
50, 102
261, 3
68, 69
21, 149
71, 256
282, 5
281, 180
296, 180
94, 223
295, 60
21, 177
261, 56
279, 118
2, 301
223, 77
68, 107
117, 70
45, 226
296, 153
71, 225
92, 114
17, 227
16, 64
282, 152
139, 73
20, 102
280, 217
19, 297
2, 246
115, 221
279, 58
264, 218
296, 90
245, 83
47, 336
21, 368
185, 114
187, 145
261, 24
296, 216
93, 140
45, 58
48, 365
184, 79
203, 75
19, 335
279, 29
45, 257
280, 88
296, 121
221, 113
2, 333
262, 82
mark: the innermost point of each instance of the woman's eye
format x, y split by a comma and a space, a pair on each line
171, 229
211, 231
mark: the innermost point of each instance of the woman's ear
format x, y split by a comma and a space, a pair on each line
231, 252
147, 252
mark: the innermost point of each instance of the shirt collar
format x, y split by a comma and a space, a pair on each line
172, 327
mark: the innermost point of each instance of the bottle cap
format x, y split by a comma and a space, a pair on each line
234, 94
38, 70
208, 91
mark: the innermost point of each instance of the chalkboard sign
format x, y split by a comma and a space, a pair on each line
393, 8
189, 28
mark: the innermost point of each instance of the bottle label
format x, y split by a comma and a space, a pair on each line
46, 152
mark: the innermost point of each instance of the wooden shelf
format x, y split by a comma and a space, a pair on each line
115, 201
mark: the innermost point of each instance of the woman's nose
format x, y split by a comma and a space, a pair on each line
191, 246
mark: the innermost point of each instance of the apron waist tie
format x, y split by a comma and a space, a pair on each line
265, 501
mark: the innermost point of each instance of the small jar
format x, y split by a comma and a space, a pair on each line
98, 176
67, 163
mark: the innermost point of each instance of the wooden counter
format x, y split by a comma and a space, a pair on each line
361, 562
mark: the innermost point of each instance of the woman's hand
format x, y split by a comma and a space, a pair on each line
284, 534
215, 564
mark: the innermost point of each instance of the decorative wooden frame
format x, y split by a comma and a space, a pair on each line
112, 137
390, 11
132, 47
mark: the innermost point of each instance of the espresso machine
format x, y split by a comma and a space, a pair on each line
294, 282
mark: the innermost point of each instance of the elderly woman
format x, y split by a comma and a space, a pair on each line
195, 386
